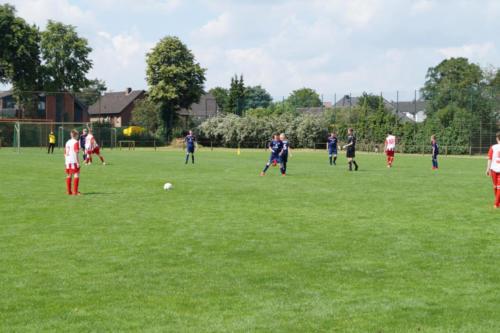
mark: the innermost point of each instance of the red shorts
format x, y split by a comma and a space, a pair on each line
96, 151
495, 177
389, 153
72, 168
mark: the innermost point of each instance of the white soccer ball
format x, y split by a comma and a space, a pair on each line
167, 186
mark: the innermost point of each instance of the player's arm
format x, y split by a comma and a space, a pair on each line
490, 159
348, 145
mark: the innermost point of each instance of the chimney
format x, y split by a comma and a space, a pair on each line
128, 91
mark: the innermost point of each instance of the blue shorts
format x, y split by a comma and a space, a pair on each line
190, 149
332, 152
273, 158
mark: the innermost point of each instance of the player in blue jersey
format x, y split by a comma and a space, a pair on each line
435, 152
190, 141
276, 148
284, 153
332, 147
82, 139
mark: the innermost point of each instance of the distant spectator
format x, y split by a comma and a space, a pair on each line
52, 143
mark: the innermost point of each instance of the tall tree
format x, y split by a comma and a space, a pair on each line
305, 97
147, 114
257, 97
221, 95
236, 99
92, 92
19, 51
66, 58
454, 81
174, 77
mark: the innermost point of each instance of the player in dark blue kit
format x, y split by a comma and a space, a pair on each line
275, 147
82, 142
284, 153
190, 141
435, 152
332, 147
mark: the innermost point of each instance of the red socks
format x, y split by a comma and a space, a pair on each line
102, 159
68, 185
76, 181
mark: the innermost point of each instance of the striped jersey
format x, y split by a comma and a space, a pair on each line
494, 157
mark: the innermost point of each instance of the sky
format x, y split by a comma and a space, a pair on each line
333, 46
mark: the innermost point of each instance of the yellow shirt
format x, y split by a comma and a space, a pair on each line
52, 138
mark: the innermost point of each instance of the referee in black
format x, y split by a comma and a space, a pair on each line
351, 149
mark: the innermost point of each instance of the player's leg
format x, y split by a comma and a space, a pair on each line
330, 157
192, 156
355, 165
53, 145
187, 157
349, 162
495, 177
334, 158
68, 183
76, 183
268, 164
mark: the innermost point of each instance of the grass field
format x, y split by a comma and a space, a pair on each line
399, 250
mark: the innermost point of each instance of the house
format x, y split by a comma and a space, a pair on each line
60, 107
116, 107
204, 109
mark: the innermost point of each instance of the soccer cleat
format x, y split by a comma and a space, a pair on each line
356, 168
262, 174
77, 193
103, 163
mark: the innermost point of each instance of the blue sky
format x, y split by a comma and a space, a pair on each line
335, 46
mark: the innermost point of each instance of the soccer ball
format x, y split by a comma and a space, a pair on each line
167, 186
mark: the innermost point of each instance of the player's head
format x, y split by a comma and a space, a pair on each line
389, 132
433, 137
333, 134
350, 130
84, 131
74, 134
282, 136
190, 132
51, 132
498, 137
90, 130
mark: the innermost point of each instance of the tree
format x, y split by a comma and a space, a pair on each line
147, 114
175, 79
257, 97
305, 97
221, 95
236, 99
91, 94
66, 58
454, 81
19, 51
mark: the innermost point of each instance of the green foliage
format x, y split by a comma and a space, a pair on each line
147, 114
19, 51
221, 96
236, 99
257, 97
92, 92
175, 79
305, 97
65, 58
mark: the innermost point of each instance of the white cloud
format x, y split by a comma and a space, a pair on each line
40, 11
219, 27
477, 52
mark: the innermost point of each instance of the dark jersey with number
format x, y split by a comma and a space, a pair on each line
351, 141
285, 147
190, 140
276, 147
332, 143
82, 140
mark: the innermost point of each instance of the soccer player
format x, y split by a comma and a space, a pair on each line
52, 142
82, 142
435, 152
390, 148
331, 147
91, 147
72, 164
284, 153
276, 148
493, 169
351, 149
190, 141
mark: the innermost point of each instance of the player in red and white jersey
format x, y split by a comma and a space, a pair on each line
493, 169
72, 164
91, 147
390, 148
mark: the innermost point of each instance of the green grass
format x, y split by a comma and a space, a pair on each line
322, 250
